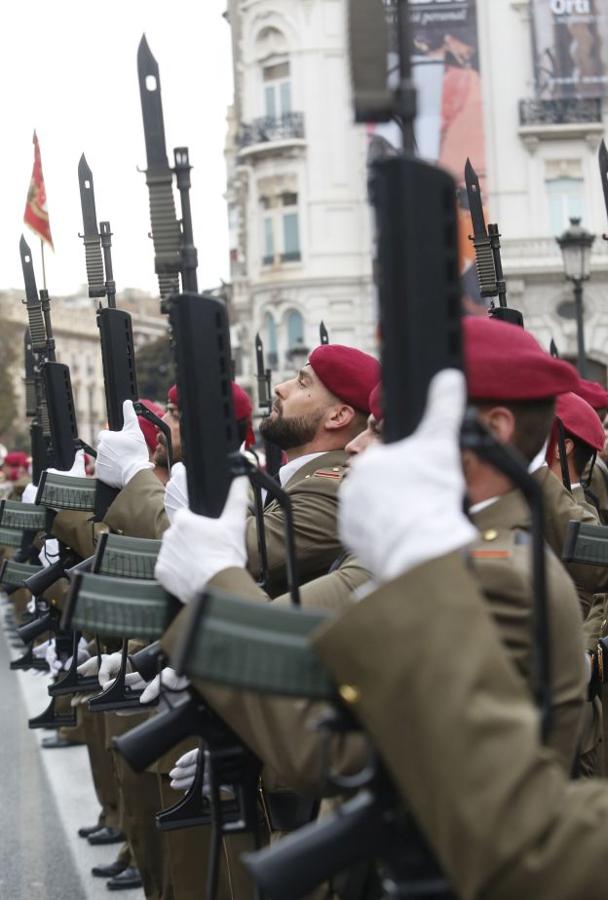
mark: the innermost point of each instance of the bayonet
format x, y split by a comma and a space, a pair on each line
323, 333
262, 375
32, 300
553, 349
91, 236
30, 375
159, 177
603, 160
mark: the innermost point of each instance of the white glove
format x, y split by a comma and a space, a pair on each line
29, 493
195, 548
170, 681
176, 491
122, 454
49, 553
182, 774
401, 504
77, 470
90, 667
57, 665
41, 650
107, 671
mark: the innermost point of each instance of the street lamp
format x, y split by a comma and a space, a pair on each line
298, 354
575, 244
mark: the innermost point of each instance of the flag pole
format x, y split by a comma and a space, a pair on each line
43, 266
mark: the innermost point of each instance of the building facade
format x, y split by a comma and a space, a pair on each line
300, 227
77, 345
298, 213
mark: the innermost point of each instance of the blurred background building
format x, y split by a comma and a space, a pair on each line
516, 85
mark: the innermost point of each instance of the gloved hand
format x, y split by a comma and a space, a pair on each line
56, 664
182, 774
122, 454
106, 672
401, 504
195, 548
41, 650
77, 470
29, 493
170, 681
176, 491
90, 667
49, 553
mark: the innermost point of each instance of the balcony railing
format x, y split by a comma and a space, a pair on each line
565, 111
271, 128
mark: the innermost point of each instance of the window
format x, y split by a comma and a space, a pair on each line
295, 330
565, 197
270, 341
280, 228
277, 90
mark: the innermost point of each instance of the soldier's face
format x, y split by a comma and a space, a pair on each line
372, 435
171, 417
298, 411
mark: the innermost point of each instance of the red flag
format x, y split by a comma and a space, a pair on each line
36, 214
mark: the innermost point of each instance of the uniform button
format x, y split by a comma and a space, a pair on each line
336, 469
307, 476
349, 693
490, 535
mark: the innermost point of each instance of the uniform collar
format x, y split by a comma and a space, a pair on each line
287, 471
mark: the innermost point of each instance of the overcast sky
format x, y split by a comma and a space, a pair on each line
68, 69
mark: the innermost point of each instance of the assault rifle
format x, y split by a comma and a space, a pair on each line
487, 254
115, 328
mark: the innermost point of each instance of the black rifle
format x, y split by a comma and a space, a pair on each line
115, 327
487, 254
603, 161
263, 375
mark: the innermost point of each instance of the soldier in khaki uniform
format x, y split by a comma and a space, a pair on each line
502, 818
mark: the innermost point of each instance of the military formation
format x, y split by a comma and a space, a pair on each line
360, 651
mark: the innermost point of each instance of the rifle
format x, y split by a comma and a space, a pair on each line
603, 161
487, 254
263, 375
115, 327
57, 440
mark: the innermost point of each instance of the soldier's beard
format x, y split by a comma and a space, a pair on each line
291, 432
160, 457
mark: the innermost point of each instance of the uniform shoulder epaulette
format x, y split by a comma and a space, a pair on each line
494, 545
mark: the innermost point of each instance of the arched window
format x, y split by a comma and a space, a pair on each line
270, 341
295, 330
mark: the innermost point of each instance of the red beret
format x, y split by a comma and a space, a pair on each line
580, 419
375, 403
16, 458
173, 396
504, 362
243, 410
149, 430
348, 373
591, 391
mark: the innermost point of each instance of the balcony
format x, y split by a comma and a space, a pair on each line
559, 119
270, 133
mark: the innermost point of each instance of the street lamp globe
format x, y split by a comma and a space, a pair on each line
575, 244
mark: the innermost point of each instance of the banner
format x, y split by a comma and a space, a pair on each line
36, 214
570, 48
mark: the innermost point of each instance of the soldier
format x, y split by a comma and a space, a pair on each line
597, 476
502, 817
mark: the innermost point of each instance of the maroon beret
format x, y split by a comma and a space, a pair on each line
243, 410
375, 403
16, 459
580, 419
504, 362
347, 373
173, 396
592, 391
149, 430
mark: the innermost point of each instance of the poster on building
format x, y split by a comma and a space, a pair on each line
570, 48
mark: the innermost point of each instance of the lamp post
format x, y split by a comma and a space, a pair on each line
575, 244
298, 355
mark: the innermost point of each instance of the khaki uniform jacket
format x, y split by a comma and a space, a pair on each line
503, 564
599, 488
139, 511
503, 818
280, 730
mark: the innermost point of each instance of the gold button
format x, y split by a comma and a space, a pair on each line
349, 693
336, 469
490, 535
307, 476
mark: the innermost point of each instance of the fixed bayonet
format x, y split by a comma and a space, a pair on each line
323, 333
159, 177
30, 375
32, 300
91, 236
262, 375
553, 349
603, 160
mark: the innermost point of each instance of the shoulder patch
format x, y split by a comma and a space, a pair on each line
335, 472
490, 554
